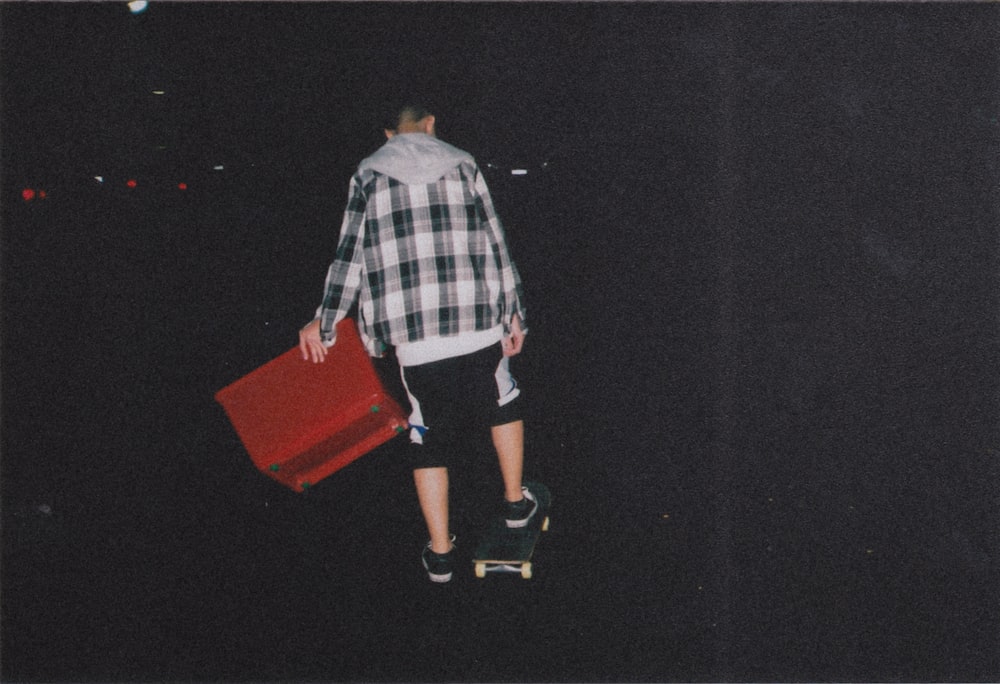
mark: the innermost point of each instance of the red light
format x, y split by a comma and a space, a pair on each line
131, 183
182, 186
41, 194
28, 194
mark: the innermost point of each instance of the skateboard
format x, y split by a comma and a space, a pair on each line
505, 549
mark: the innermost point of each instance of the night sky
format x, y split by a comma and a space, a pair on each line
760, 252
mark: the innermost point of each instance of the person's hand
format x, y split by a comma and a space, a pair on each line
311, 344
514, 340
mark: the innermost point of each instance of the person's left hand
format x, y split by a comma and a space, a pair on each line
514, 341
311, 343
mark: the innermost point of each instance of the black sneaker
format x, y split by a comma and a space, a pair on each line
520, 513
438, 565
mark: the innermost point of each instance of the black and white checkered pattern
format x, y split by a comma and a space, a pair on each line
427, 260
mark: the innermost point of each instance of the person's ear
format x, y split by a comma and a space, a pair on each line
427, 124
389, 133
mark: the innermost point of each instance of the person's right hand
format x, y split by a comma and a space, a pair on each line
311, 344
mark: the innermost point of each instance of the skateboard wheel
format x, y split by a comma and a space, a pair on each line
480, 570
526, 571
545, 524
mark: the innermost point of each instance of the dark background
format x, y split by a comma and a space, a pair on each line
759, 243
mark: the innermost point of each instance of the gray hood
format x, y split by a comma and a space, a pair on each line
415, 158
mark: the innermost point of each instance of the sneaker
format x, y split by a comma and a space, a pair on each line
520, 513
438, 565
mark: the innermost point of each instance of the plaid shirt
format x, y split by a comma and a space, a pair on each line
422, 261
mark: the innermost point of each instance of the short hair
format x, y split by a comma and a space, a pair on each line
411, 111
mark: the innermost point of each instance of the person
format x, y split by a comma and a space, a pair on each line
423, 257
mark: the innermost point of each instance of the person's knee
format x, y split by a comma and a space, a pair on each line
430, 474
507, 414
425, 456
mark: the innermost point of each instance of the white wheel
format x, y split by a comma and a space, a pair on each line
545, 524
480, 570
526, 571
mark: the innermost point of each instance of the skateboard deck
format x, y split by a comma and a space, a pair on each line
504, 549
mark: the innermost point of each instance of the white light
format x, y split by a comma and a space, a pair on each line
159, 92
138, 6
99, 179
519, 172
218, 167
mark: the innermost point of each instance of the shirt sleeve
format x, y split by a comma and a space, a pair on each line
510, 280
344, 277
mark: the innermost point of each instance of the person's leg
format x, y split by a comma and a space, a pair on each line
432, 492
508, 429
508, 440
430, 469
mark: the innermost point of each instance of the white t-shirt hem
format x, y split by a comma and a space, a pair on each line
439, 348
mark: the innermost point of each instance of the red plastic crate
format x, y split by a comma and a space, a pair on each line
302, 421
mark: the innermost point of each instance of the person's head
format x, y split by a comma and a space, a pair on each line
410, 118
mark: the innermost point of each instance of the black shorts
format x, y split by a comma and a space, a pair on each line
454, 397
